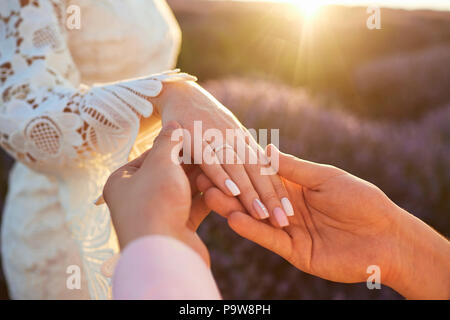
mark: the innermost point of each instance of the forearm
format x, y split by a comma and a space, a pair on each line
422, 270
162, 268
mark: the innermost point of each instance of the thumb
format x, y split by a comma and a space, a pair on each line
167, 145
305, 173
273, 239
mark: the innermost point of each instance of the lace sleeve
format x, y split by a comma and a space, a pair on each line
47, 119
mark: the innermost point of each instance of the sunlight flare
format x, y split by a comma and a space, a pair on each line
309, 9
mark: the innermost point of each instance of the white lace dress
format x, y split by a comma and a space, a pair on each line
69, 134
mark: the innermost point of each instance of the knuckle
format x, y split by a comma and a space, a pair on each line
109, 185
332, 169
281, 191
269, 197
231, 155
164, 134
276, 182
236, 171
170, 134
279, 186
209, 156
253, 169
247, 189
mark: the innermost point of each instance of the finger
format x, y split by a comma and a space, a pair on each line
167, 146
261, 179
131, 166
212, 168
249, 197
306, 173
137, 163
264, 187
192, 172
199, 211
265, 235
282, 193
219, 202
203, 182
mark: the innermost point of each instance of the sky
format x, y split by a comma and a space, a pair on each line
406, 4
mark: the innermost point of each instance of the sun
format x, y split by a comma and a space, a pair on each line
308, 8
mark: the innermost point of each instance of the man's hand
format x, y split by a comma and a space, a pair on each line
153, 195
342, 225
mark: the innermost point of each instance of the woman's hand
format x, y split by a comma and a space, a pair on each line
234, 163
342, 225
155, 195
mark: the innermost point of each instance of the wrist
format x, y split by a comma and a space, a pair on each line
419, 267
172, 96
130, 227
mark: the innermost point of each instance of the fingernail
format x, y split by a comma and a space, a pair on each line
232, 187
260, 209
287, 206
281, 217
99, 201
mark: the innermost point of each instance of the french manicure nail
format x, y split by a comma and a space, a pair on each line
260, 209
232, 187
281, 217
287, 206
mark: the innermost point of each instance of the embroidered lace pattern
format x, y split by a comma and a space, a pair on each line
55, 125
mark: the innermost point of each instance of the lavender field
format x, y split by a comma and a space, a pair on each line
409, 161
398, 72
374, 104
